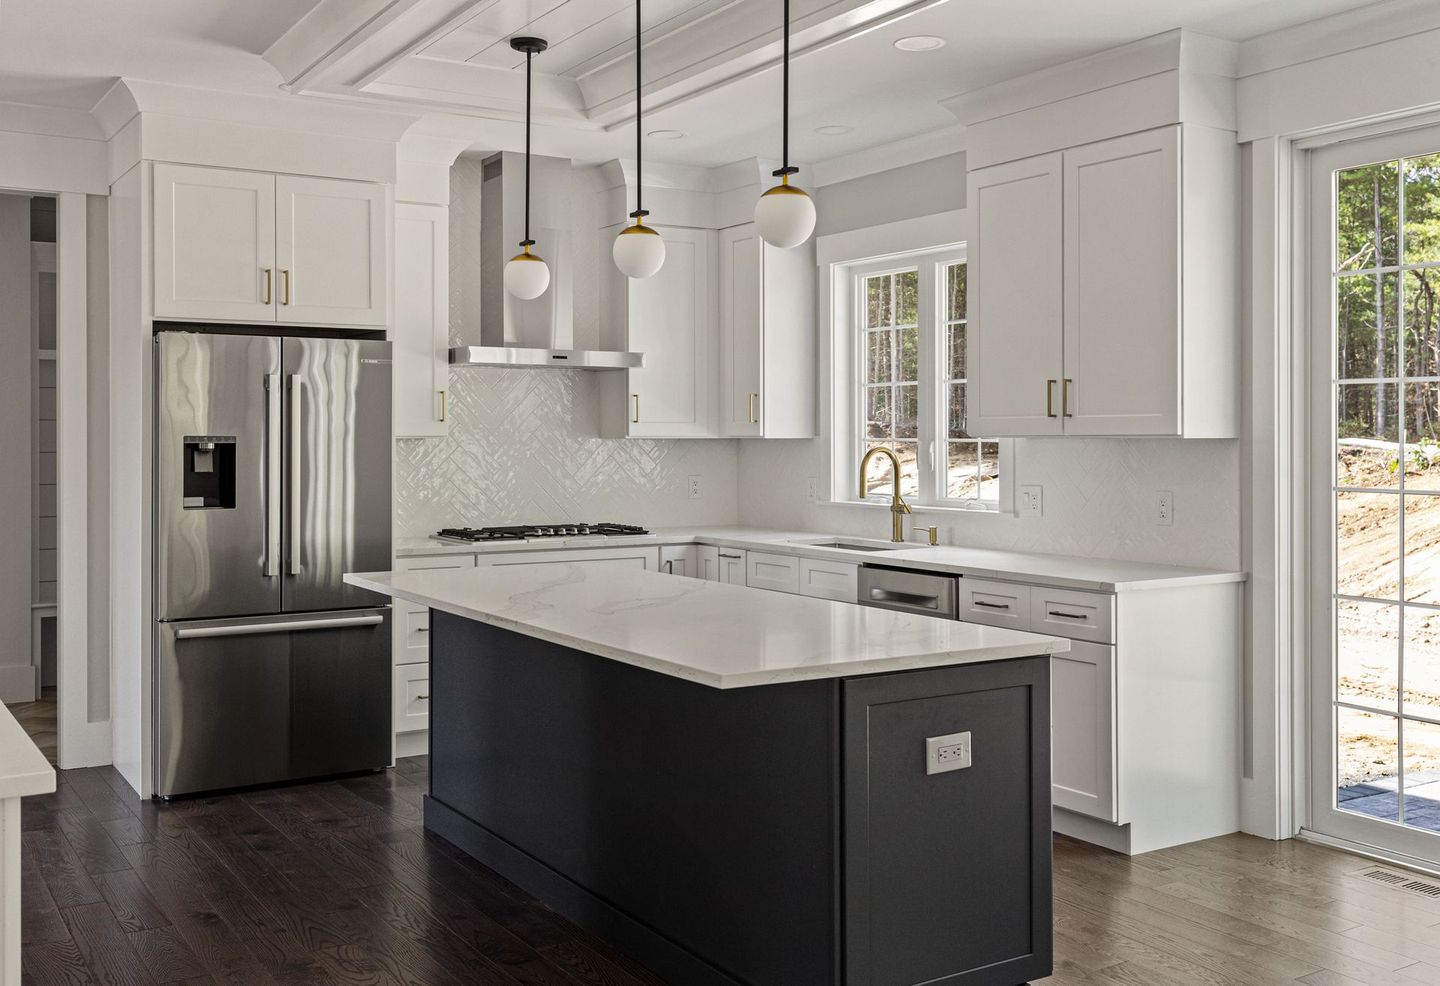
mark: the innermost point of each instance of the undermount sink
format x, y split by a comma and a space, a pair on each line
855, 545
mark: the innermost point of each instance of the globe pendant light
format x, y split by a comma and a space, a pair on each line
785, 215
639, 251
526, 275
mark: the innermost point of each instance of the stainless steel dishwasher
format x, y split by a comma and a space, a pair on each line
908, 591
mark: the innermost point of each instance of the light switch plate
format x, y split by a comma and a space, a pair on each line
1031, 498
946, 753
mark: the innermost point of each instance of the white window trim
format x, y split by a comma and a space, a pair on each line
840, 257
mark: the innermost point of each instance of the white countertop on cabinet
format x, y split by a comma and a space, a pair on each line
1095, 574
23, 768
714, 634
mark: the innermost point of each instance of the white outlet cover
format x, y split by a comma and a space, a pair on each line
812, 489
1165, 508
694, 487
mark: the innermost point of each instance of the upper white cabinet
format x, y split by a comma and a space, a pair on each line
669, 318
1103, 289
214, 244
245, 246
767, 337
421, 331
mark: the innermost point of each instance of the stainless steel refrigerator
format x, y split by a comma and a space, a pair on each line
272, 480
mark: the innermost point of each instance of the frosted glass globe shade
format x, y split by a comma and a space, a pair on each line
785, 216
526, 276
639, 251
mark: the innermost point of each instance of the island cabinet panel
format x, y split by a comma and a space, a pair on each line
947, 875
783, 834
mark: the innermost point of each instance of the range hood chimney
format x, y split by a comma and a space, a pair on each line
540, 332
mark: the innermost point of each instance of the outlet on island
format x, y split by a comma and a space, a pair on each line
944, 753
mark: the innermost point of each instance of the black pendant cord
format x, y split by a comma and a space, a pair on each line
785, 168
529, 57
639, 212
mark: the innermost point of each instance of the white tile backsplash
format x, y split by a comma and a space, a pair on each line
1099, 499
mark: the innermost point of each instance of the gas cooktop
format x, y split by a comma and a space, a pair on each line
527, 532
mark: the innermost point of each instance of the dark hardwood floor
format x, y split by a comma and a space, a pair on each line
334, 882
337, 882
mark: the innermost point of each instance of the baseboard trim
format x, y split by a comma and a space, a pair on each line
412, 744
1106, 835
667, 959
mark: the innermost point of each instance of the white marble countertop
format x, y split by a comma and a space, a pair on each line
715, 634
1066, 571
23, 768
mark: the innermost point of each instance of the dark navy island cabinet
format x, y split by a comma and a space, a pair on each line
773, 835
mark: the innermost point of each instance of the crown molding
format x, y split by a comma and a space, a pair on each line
1337, 34
49, 121
897, 153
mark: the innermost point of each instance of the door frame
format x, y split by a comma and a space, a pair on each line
1314, 685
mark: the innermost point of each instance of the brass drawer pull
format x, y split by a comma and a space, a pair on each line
1049, 398
754, 418
1065, 398
444, 404
636, 418
269, 278
285, 280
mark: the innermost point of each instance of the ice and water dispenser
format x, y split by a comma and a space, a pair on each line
209, 472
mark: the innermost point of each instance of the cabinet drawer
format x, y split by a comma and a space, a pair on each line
1074, 614
412, 698
427, 563
828, 579
780, 573
998, 604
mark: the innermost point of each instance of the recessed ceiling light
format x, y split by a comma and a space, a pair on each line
920, 42
833, 130
666, 134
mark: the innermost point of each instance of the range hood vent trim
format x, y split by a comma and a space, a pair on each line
562, 359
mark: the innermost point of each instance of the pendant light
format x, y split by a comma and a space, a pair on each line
639, 251
785, 215
526, 275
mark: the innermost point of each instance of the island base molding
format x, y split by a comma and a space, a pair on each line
774, 835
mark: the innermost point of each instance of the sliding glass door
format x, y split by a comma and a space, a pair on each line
1375, 492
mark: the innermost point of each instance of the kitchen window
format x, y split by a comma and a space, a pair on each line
909, 319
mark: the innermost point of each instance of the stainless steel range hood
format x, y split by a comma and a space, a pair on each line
540, 332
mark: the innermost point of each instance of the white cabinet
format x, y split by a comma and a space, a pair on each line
668, 317
1103, 289
778, 573
637, 557
411, 695
829, 579
421, 333
1015, 284
730, 566
243, 246
409, 623
767, 337
997, 604
707, 562
214, 234
681, 559
1082, 695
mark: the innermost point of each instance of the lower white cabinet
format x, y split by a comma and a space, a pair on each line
829, 579
647, 558
778, 573
409, 623
1082, 696
412, 698
997, 604
681, 559
730, 566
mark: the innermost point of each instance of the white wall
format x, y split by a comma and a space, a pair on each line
17, 682
524, 444
1099, 494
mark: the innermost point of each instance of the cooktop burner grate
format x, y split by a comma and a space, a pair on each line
525, 532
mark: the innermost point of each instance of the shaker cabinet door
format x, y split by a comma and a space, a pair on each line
668, 319
421, 331
1083, 722
214, 244
741, 332
330, 251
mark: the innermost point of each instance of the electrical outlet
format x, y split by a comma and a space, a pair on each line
694, 487
1031, 498
812, 490
943, 753
1165, 508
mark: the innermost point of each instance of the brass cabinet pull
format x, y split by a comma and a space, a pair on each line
285, 279
1065, 398
443, 403
753, 418
636, 418
1049, 398
269, 276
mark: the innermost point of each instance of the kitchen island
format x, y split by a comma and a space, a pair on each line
737, 786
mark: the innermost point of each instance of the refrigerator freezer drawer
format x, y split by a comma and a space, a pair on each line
266, 699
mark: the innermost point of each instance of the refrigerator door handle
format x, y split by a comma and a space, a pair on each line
284, 626
295, 386
272, 475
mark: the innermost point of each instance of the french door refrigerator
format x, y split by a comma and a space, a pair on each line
272, 480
